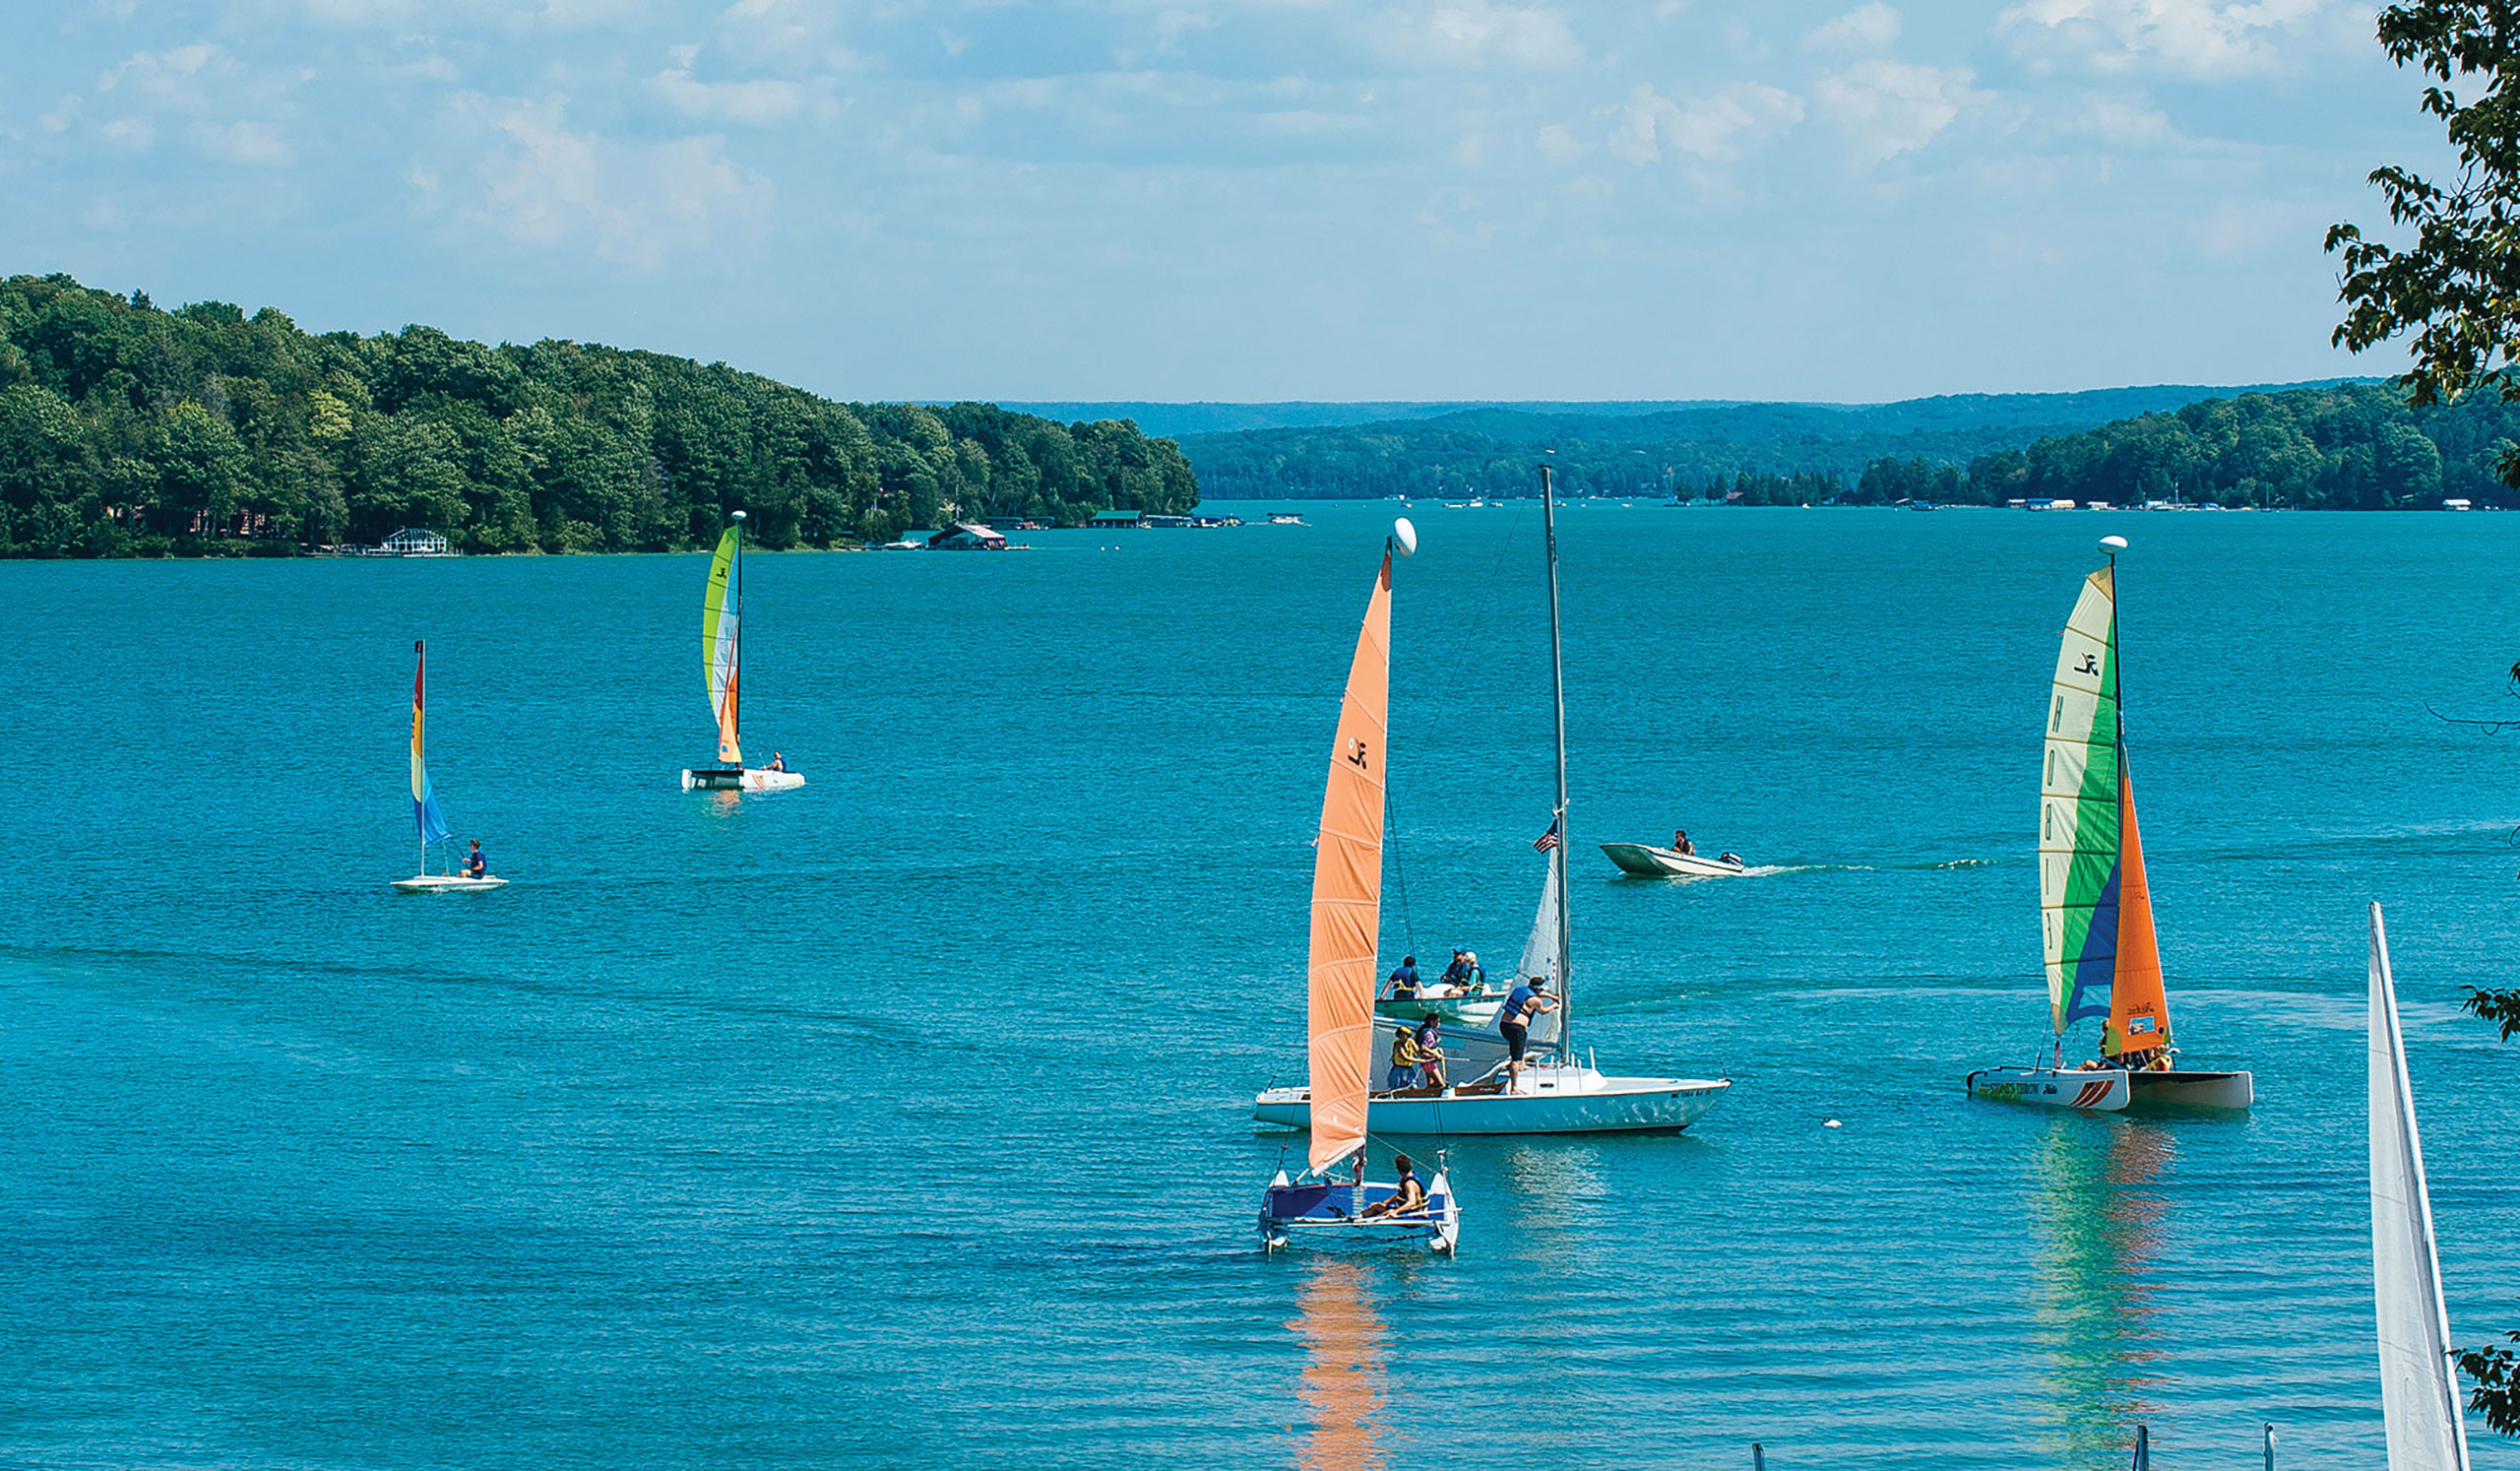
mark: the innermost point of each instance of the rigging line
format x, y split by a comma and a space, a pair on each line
1398, 874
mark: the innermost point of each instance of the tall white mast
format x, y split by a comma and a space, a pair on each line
1557, 687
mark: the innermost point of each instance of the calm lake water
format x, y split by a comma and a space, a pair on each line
904, 1119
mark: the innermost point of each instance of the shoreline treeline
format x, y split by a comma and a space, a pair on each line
130, 430
2352, 446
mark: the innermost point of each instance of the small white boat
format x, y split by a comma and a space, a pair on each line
1338, 1012
2096, 923
1646, 862
424, 808
446, 883
1552, 1098
1475, 1009
2419, 1391
721, 662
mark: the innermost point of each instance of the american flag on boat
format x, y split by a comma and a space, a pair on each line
1545, 841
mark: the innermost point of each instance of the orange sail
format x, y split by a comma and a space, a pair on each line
1346, 894
2138, 1011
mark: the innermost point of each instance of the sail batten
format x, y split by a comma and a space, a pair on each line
1346, 894
721, 642
2419, 1396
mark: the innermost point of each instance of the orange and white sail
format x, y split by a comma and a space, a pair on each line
1346, 894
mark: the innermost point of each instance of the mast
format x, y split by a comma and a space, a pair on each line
1557, 689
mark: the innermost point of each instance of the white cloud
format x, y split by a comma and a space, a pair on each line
635, 202
1891, 107
1870, 27
1477, 34
750, 103
137, 133
256, 143
2198, 38
1712, 128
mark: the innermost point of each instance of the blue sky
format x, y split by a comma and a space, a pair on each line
1241, 199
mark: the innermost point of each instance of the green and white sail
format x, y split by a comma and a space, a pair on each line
721, 647
2079, 811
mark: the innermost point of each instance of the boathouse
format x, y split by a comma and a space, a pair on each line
1113, 519
963, 535
414, 541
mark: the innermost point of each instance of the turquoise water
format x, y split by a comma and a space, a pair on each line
902, 1119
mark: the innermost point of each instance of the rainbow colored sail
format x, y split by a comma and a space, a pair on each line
2096, 908
425, 809
1346, 894
721, 647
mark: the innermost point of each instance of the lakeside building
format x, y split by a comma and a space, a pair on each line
414, 541
1113, 519
963, 535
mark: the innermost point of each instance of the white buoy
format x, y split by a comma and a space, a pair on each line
1833, 1124
2112, 544
1405, 536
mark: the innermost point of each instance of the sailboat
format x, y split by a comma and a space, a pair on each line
2103, 958
2418, 1394
1346, 929
424, 808
1559, 1091
722, 614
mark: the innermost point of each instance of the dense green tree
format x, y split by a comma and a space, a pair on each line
128, 429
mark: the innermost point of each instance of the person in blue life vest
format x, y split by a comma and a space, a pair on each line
778, 762
1528, 1000
1408, 1198
1404, 982
476, 863
1464, 977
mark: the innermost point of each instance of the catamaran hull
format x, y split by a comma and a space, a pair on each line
1591, 1104
2194, 1090
446, 883
2103, 1090
1666, 863
1321, 1213
749, 779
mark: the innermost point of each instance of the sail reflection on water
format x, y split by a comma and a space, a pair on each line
2102, 1216
1344, 1376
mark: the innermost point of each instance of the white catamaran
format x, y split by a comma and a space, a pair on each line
1557, 1092
1346, 928
721, 660
424, 808
2418, 1394
2095, 908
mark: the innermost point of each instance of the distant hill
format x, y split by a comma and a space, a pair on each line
1174, 421
126, 430
1620, 449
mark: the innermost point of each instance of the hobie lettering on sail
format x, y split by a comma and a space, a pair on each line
1347, 893
2418, 1394
720, 646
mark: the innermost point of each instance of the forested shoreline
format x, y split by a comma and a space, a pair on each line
2346, 446
130, 430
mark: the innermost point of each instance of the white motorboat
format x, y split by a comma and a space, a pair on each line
426, 813
1555, 1094
1646, 862
1339, 996
2102, 957
2419, 1391
721, 662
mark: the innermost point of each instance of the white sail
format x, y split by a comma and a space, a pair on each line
2418, 1391
1541, 951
